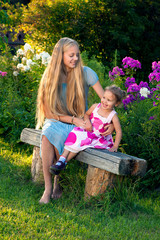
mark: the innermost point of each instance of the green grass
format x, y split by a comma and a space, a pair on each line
120, 214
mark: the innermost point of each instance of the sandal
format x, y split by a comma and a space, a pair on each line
57, 167
53, 172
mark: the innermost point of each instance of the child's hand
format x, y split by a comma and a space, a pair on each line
113, 149
88, 125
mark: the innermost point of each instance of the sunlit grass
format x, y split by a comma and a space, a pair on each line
120, 214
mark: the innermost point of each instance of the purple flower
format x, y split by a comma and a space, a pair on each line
133, 88
129, 81
111, 75
142, 98
151, 118
144, 84
129, 99
130, 62
154, 76
154, 104
116, 72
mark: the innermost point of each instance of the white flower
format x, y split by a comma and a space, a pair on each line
29, 62
24, 59
45, 61
15, 58
36, 57
20, 52
45, 57
26, 68
27, 47
20, 66
15, 73
144, 92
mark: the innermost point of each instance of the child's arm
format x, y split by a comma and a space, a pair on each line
118, 130
88, 125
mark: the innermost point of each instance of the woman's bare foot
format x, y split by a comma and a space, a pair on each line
45, 198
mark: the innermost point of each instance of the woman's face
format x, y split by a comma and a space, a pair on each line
71, 57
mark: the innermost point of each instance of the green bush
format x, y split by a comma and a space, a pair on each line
18, 95
141, 138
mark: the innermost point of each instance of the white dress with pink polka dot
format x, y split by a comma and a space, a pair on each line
80, 139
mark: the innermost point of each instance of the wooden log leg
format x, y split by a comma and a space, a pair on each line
36, 168
97, 181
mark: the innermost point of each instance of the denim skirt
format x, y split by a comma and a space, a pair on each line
56, 132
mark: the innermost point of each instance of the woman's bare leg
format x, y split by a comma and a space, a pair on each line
48, 155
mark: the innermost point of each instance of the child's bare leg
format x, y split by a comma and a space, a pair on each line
57, 190
70, 156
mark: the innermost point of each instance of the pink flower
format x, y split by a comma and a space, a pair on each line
3, 73
130, 62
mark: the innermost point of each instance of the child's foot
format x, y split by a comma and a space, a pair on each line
52, 171
59, 166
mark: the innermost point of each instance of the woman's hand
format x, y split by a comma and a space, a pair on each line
79, 122
109, 129
88, 125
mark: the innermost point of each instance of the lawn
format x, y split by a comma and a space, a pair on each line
119, 214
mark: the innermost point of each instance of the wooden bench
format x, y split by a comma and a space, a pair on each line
104, 167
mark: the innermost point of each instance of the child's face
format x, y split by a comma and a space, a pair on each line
108, 101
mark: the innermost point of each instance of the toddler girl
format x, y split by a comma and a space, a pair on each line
97, 117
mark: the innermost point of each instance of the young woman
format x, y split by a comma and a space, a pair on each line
61, 105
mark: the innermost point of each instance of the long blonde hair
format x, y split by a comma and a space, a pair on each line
50, 85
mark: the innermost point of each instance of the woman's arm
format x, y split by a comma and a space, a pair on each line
98, 89
118, 136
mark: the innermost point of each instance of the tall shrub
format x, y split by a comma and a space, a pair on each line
99, 26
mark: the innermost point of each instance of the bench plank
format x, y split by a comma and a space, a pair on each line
116, 163
31, 136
